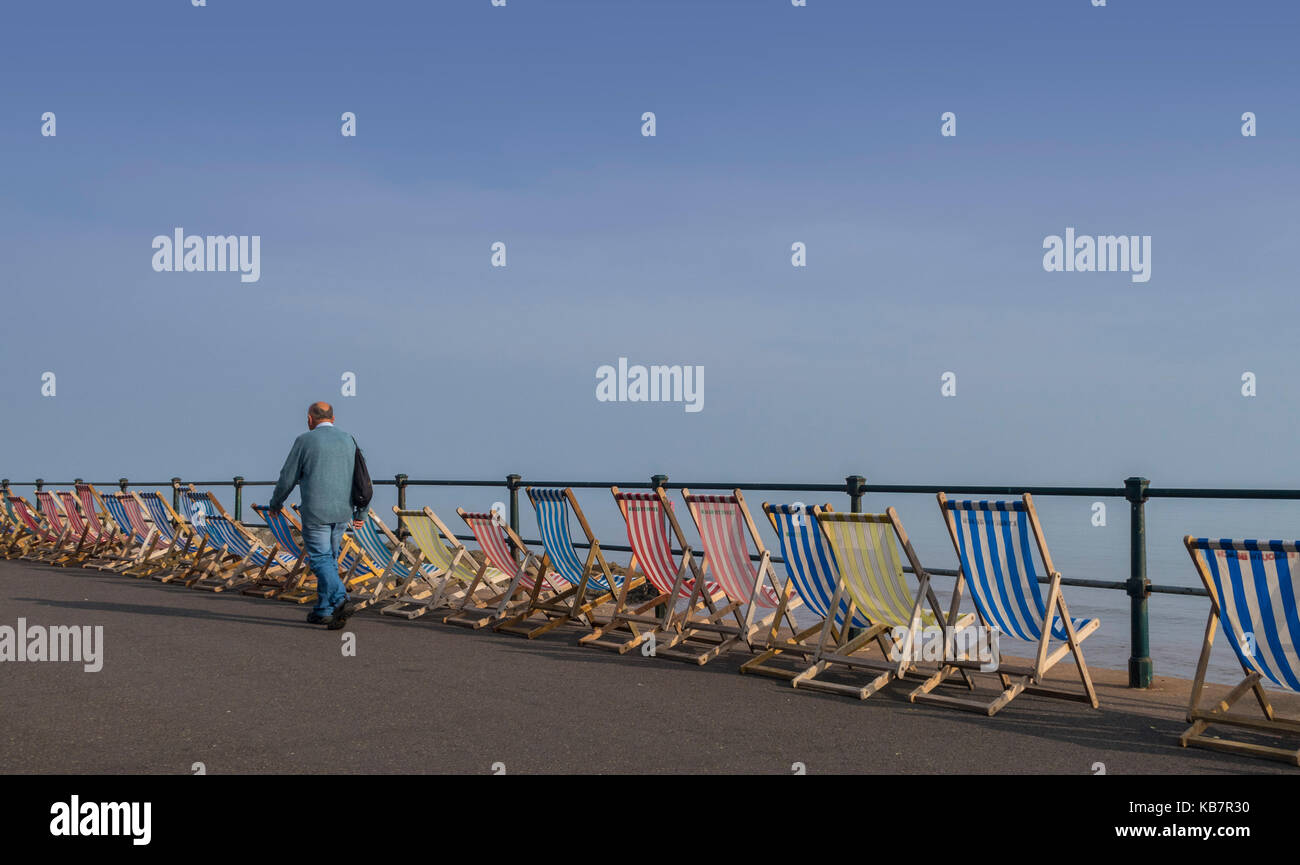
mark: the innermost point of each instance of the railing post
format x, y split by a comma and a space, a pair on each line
401, 503
855, 486
40, 484
239, 498
176, 495
1138, 586
513, 484
122, 484
4, 487
76, 481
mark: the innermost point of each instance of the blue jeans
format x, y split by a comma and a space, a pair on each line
323, 544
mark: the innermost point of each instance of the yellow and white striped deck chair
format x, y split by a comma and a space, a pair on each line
451, 580
871, 578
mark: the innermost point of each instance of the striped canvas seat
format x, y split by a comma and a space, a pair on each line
439, 557
995, 548
726, 548
491, 538
52, 512
810, 562
72, 513
125, 511
647, 534
161, 517
223, 533
89, 500
552, 506
32, 521
866, 553
1257, 584
351, 559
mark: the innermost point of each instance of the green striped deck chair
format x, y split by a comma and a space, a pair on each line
1254, 587
892, 611
452, 579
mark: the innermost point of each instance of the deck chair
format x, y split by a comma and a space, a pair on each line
237, 557
42, 543
72, 539
649, 518
299, 586
755, 600
117, 537
17, 538
994, 542
183, 544
1253, 588
810, 567
583, 585
872, 581
405, 574
500, 546
144, 547
97, 544
448, 577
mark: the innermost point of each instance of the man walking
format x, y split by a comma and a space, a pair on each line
321, 461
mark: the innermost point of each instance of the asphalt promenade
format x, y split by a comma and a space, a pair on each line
243, 685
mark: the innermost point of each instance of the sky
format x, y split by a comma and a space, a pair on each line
775, 124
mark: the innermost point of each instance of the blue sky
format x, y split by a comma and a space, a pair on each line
775, 124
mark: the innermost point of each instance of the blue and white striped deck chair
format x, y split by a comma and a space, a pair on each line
141, 539
405, 574
590, 583
1253, 588
241, 553
810, 568
183, 541
995, 543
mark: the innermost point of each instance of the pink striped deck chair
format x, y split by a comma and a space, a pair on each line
100, 544
499, 543
72, 537
41, 542
649, 517
756, 599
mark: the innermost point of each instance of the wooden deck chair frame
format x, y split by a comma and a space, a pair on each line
634, 625
871, 579
1257, 654
42, 542
702, 635
239, 557
564, 605
1016, 679
92, 544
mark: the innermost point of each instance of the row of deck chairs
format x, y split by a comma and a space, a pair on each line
863, 597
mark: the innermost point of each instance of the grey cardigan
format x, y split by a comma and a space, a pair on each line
321, 463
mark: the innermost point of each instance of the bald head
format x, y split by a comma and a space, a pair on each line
318, 412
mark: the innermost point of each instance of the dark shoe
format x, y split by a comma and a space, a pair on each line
314, 618
341, 615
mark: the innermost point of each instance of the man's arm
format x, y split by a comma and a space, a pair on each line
290, 474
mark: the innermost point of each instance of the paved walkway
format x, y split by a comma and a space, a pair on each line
245, 685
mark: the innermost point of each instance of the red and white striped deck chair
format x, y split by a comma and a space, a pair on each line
97, 544
72, 537
757, 600
37, 541
649, 518
116, 539
499, 543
